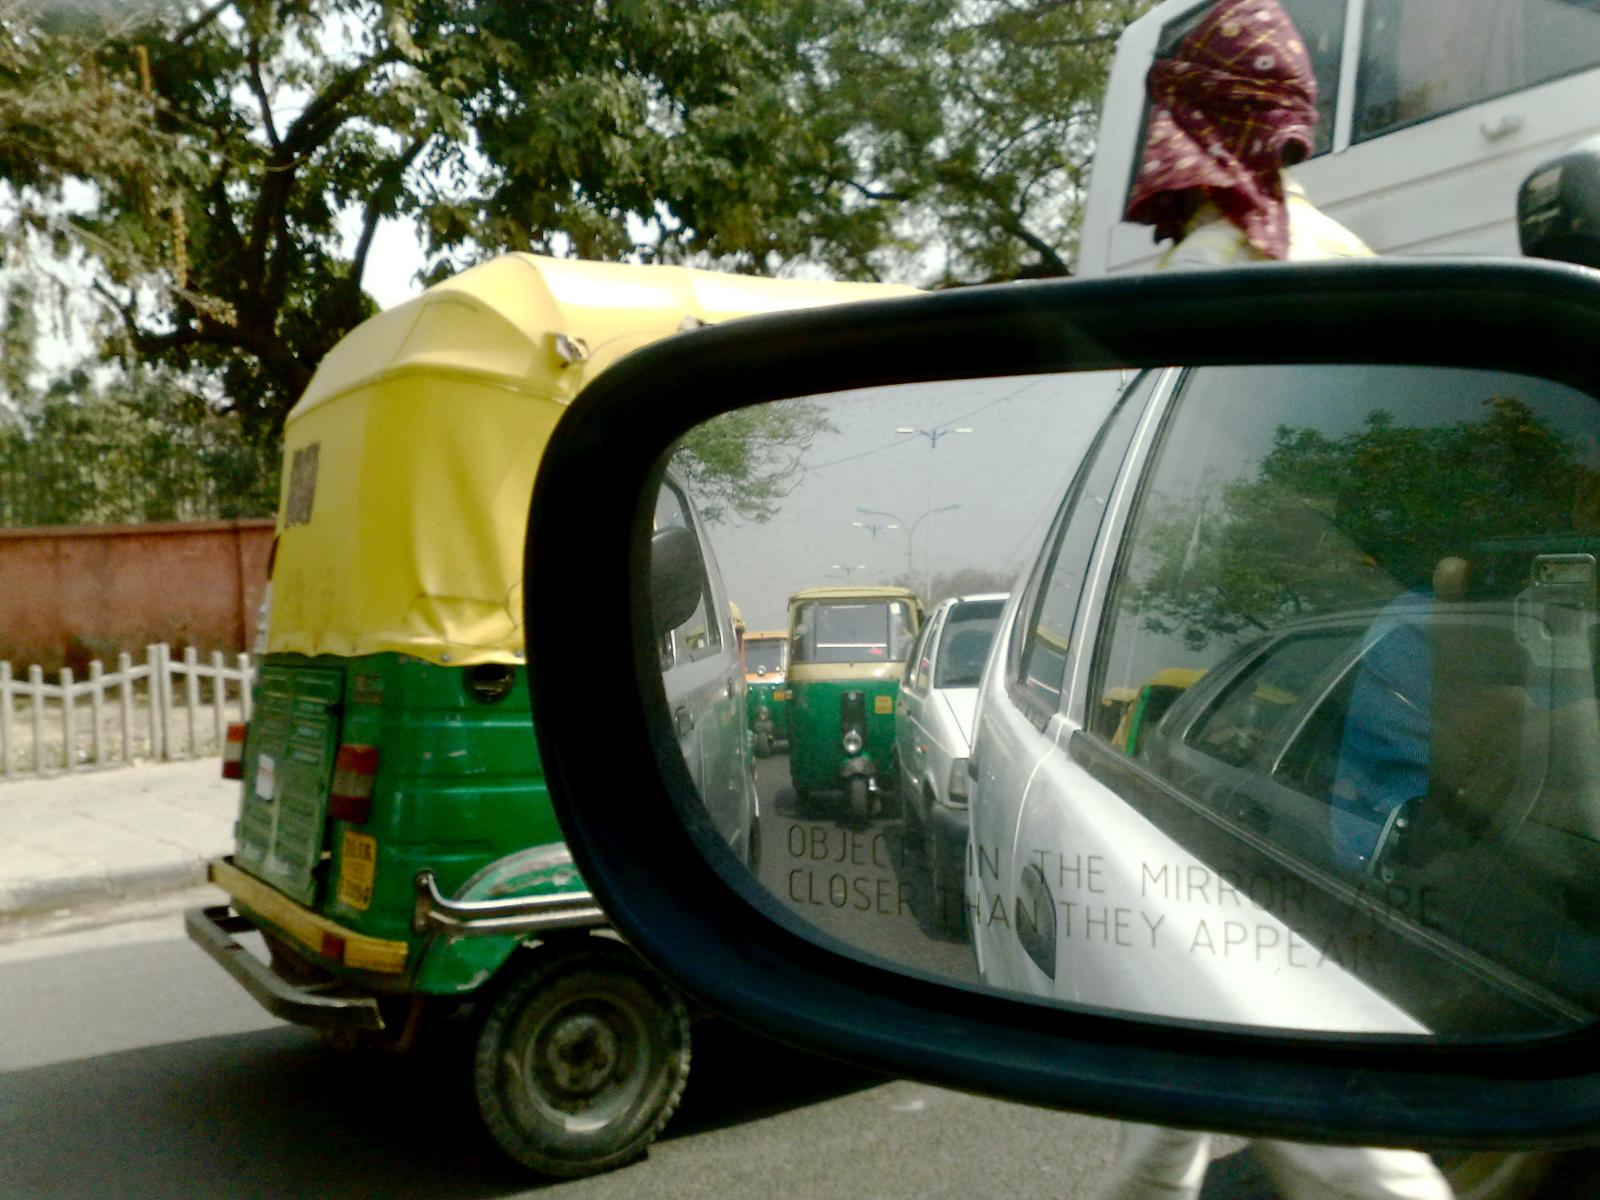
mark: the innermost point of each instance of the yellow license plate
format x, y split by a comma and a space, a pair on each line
779, 694
358, 864
883, 704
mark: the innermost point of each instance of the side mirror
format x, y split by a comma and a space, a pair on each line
1230, 492
676, 578
1558, 207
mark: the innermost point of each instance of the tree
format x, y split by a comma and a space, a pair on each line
963, 581
139, 448
1334, 522
221, 167
739, 465
972, 125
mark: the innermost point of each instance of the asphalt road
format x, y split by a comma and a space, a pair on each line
130, 1066
861, 884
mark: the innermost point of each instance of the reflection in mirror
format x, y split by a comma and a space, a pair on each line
1256, 695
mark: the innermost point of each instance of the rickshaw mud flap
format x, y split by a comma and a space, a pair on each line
435, 913
212, 929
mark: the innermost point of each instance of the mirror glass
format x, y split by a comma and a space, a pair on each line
1262, 696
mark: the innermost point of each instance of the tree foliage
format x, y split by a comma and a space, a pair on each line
220, 167
970, 124
139, 449
739, 465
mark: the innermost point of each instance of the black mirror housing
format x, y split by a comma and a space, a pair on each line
1558, 208
728, 946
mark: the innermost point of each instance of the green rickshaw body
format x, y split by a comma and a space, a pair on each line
458, 785
766, 688
847, 649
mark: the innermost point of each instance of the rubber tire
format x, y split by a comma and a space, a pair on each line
910, 815
860, 802
804, 806
1495, 1174
589, 985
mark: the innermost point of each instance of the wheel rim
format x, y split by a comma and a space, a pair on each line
582, 1066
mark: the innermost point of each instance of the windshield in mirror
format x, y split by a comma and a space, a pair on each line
763, 656
838, 632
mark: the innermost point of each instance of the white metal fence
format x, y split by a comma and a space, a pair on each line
162, 709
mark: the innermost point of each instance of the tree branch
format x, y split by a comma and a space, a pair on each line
315, 124
200, 22
258, 86
379, 205
1049, 259
872, 193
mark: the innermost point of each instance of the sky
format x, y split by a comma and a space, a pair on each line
1007, 476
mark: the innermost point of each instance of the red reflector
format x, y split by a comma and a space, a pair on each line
355, 809
332, 946
359, 760
233, 752
350, 798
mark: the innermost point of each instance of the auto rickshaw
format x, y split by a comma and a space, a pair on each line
847, 650
396, 847
766, 655
1150, 704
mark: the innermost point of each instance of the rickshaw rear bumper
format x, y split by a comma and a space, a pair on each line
320, 1005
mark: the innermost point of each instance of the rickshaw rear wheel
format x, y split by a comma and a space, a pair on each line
860, 801
804, 805
581, 1058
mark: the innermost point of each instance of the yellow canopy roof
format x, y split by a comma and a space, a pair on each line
409, 460
865, 592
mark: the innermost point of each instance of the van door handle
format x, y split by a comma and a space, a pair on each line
1501, 127
682, 718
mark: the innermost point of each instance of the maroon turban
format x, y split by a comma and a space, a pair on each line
1236, 95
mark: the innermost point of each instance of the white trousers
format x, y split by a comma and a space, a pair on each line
1155, 1163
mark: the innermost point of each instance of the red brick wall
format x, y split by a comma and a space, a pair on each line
72, 593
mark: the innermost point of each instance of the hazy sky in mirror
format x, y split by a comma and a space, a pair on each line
1007, 476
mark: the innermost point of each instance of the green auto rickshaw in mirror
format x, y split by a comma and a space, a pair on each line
766, 656
847, 650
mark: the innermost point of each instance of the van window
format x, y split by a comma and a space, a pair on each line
1424, 58
918, 663
965, 646
1042, 662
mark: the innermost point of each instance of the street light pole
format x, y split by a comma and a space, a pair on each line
933, 435
909, 530
874, 530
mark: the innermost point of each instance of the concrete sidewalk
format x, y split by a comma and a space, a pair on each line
95, 838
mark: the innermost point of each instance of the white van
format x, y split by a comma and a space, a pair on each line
1432, 114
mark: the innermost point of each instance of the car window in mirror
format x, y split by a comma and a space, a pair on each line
1337, 768
1332, 639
